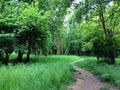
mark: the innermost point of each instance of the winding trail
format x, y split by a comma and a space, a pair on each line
87, 81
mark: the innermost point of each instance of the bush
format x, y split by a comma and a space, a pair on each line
117, 83
105, 49
106, 77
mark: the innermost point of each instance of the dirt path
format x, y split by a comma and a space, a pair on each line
87, 81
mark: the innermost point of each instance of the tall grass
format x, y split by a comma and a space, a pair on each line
36, 58
54, 73
107, 73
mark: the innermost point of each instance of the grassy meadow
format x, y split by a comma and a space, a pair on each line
49, 73
107, 73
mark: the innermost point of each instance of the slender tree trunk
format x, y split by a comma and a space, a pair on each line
111, 52
28, 54
67, 50
19, 57
0, 55
58, 48
62, 49
6, 59
102, 18
112, 58
41, 52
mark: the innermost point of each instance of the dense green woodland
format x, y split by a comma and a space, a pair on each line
39, 37
39, 27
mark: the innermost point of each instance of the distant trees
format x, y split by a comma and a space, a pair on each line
58, 12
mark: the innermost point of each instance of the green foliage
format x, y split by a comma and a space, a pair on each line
6, 43
103, 47
27, 24
104, 88
98, 28
10, 17
6, 47
31, 23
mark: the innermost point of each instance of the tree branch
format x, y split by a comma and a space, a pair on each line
113, 13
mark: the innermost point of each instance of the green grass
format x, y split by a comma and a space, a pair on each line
104, 88
49, 58
50, 73
107, 73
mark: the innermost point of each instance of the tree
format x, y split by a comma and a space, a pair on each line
34, 29
6, 46
27, 24
58, 11
96, 11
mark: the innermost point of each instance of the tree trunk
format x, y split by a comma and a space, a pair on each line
41, 52
19, 57
58, 48
28, 54
67, 50
110, 57
102, 18
6, 59
0, 55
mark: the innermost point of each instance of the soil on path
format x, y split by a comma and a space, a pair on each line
87, 81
